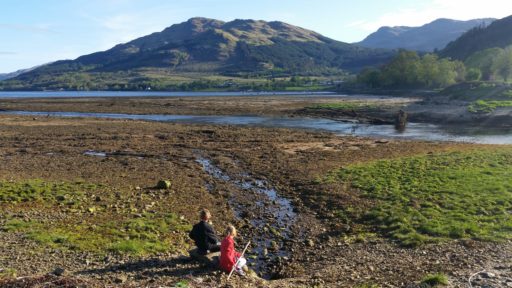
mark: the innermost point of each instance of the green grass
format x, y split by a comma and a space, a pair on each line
437, 197
145, 235
488, 106
309, 88
434, 280
480, 90
368, 286
182, 284
346, 106
7, 273
39, 190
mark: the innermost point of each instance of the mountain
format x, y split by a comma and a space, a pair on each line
497, 34
429, 37
209, 46
4, 76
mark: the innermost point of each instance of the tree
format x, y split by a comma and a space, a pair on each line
485, 61
503, 63
371, 77
473, 74
408, 70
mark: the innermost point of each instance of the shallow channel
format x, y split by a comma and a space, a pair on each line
269, 214
414, 131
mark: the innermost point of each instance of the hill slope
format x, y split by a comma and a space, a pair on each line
4, 76
209, 46
497, 34
431, 36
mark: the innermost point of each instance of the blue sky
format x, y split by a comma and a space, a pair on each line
34, 32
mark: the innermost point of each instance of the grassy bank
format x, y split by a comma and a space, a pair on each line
436, 197
346, 106
84, 221
488, 106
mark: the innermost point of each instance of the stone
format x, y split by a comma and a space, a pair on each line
210, 259
59, 271
163, 184
488, 275
121, 279
310, 242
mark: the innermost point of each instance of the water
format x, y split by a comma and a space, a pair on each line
67, 94
95, 153
414, 131
267, 209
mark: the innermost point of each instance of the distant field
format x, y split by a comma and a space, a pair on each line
166, 80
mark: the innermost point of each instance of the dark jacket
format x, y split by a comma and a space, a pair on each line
204, 236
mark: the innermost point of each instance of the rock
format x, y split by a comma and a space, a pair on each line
163, 184
59, 271
401, 120
211, 259
310, 242
488, 275
121, 279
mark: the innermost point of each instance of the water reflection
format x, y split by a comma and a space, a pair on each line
415, 131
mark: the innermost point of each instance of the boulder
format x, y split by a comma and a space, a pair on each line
59, 271
163, 184
210, 259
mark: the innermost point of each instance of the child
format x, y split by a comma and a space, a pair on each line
228, 255
204, 235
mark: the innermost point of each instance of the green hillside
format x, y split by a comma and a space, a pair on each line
200, 46
497, 34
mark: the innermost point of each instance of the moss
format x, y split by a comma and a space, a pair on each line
145, 235
7, 273
40, 191
434, 280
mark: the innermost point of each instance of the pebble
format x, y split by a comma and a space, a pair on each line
121, 279
488, 275
59, 271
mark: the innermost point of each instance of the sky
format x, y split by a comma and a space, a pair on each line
35, 32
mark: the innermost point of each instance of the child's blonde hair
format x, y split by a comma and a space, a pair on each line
230, 230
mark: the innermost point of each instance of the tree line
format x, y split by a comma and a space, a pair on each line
410, 70
493, 64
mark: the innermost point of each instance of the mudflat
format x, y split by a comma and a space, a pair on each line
80, 207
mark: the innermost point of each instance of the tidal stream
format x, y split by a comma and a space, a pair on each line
269, 214
414, 131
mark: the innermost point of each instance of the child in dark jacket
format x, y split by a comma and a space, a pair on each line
204, 236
